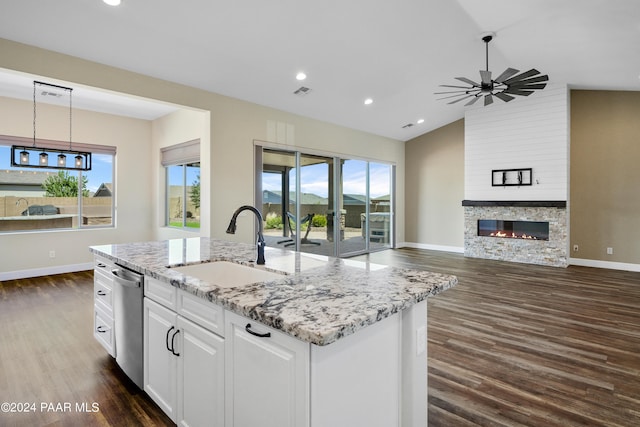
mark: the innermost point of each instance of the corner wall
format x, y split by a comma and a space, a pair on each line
605, 201
434, 186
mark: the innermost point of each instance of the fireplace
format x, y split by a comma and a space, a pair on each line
543, 223
528, 230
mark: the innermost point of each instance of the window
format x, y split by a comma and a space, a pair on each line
345, 205
43, 199
182, 166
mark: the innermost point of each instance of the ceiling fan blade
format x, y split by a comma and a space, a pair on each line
460, 87
506, 74
504, 96
458, 100
473, 101
516, 91
488, 99
466, 80
527, 86
537, 79
532, 72
454, 96
486, 77
452, 91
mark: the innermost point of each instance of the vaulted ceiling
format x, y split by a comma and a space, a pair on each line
395, 52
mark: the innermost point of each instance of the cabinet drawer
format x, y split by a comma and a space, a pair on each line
103, 330
202, 312
102, 264
160, 292
103, 292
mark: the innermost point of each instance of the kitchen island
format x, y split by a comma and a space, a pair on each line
357, 329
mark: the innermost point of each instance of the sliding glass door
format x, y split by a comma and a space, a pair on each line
324, 205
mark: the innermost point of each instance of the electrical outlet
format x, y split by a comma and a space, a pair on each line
575, 248
609, 251
52, 254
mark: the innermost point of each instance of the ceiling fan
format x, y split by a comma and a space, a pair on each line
502, 87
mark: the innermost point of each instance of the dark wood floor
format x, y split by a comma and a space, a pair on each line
48, 356
511, 345
521, 345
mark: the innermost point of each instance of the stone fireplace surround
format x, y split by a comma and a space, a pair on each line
552, 252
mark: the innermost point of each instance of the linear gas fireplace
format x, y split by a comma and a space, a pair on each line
529, 230
533, 232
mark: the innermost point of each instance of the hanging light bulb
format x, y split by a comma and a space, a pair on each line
62, 160
44, 159
79, 160
24, 157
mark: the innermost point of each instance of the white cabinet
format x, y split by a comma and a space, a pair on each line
184, 362
160, 364
200, 376
103, 324
267, 376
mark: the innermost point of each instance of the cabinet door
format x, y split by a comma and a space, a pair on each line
160, 364
200, 376
267, 378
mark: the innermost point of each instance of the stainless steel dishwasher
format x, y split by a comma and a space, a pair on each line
127, 311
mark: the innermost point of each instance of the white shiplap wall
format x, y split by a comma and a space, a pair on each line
528, 132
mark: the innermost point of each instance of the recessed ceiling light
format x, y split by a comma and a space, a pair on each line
112, 2
368, 101
420, 121
301, 76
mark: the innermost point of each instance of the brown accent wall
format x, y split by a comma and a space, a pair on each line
605, 175
434, 187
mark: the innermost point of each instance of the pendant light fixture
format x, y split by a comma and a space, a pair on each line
82, 159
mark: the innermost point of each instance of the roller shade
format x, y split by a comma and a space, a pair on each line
179, 154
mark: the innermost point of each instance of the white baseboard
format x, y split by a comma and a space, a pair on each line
604, 264
45, 271
440, 248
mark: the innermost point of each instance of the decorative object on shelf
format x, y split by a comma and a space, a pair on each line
511, 177
81, 159
503, 86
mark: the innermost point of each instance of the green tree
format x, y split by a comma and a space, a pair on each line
195, 192
64, 185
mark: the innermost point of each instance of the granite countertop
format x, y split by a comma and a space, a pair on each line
318, 299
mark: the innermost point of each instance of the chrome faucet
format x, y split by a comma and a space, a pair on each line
260, 243
26, 201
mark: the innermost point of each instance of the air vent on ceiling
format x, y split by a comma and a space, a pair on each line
302, 91
408, 125
48, 93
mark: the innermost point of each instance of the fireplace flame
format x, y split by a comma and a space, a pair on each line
512, 235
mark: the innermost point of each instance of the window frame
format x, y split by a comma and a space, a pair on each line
184, 155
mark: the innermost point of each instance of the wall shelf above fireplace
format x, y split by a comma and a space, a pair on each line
518, 203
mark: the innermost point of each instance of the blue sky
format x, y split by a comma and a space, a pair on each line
314, 179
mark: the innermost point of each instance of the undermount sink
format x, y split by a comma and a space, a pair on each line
227, 274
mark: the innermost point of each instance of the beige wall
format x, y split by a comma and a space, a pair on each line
604, 178
234, 125
434, 188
